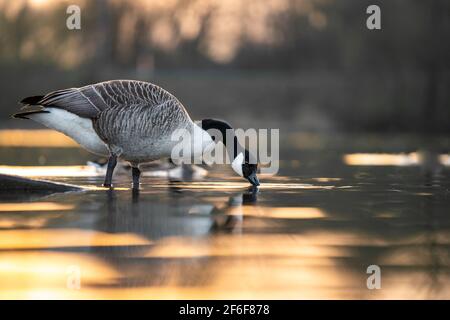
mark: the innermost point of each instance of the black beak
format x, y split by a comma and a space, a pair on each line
253, 179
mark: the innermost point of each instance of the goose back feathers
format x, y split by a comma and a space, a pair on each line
132, 119
90, 100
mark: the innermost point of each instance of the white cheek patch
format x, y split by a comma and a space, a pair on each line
237, 164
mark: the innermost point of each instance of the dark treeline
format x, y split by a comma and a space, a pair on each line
314, 62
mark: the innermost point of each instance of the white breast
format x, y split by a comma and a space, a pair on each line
78, 128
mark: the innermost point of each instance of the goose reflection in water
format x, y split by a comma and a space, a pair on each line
141, 213
231, 218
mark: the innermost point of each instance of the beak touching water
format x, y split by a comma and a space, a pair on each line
245, 169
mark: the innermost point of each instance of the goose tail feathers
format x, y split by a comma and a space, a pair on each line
28, 102
26, 114
33, 100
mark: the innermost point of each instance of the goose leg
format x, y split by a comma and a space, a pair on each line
136, 175
112, 161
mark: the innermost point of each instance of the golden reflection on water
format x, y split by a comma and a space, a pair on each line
44, 238
444, 159
325, 179
35, 138
302, 249
284, 267
388, 159
9, 221
246, 245
277, 212
220, 266
90, 171
224, 185
47, 275
51, 171
35, 206
381, 159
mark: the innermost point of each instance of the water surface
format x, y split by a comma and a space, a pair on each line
310, 232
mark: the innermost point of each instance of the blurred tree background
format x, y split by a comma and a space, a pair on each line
293, 64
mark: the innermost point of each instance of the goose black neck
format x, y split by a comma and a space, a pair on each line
222, 127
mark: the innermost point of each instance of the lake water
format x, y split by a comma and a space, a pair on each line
310, 232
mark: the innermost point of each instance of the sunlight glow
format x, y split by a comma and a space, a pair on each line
444, 159
35, 138
310, 265
278, 212
226, 25
44, 238
239, 185
324, 179
381, 159
391, 159
8, 221
38, 4
46, 275
51, 171
245, 245
35, 206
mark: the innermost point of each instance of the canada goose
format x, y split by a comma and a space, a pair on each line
133, 120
